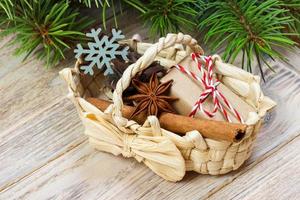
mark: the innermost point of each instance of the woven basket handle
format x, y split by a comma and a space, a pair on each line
144, 62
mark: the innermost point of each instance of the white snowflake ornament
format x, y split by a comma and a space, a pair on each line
101, 51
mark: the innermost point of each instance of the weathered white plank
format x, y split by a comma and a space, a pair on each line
46, 136
293, 57
277, 177
71, 176
74, 176
8, 62
4, 43
27, 89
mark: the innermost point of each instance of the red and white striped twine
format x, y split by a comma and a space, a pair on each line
210, 88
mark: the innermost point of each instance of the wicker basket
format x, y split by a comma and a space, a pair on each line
167, 154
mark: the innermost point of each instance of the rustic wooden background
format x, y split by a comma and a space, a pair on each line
44, 154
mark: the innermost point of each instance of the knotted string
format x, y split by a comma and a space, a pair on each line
210, 88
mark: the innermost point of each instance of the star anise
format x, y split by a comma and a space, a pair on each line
151, 97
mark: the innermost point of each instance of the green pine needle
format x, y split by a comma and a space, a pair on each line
49, 27
293, 10
97, 3
251, 27
163, 16
103, 4
169, 16
43, 27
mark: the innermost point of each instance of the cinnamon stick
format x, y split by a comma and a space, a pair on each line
218, 130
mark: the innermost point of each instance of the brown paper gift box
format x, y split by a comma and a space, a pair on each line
188, 91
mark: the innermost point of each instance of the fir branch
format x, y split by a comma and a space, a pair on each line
103, 4
246, 26
97, 3
6, 15
166, 16
44, 27
163, 15
293, 10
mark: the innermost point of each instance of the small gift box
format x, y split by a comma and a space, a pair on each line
195, 84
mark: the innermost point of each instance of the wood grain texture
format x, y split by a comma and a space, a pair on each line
62, 183
71, 176
33, 116
46, 136
28, 88
8, 62
293, 58
277, 177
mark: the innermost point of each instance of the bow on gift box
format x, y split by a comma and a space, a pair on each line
159, 153
210, 88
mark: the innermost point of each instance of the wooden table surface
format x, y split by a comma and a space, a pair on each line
44, 154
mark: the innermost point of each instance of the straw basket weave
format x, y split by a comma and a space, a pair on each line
167, 154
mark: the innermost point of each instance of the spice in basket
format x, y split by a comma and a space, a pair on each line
180, 124
151, 97
119, 66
